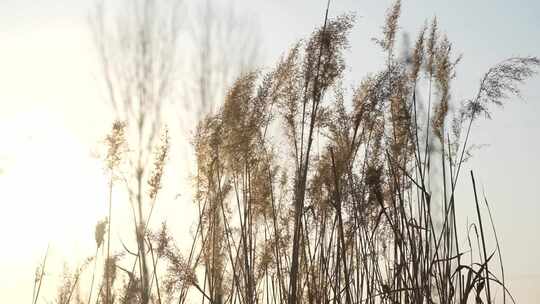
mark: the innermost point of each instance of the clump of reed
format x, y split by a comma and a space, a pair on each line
308, 194
353, 219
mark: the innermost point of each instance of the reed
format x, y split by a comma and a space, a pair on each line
308, 193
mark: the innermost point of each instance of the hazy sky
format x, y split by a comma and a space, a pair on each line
53, 115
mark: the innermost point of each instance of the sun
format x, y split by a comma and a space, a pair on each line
53, 190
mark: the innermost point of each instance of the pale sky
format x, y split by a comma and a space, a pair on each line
53, 116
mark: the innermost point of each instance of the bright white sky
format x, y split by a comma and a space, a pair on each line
53, 116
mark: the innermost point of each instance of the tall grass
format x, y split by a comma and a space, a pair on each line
307, 193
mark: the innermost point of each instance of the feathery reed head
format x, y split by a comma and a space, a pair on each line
431, 46
99, 233
390, 28
418, 54
109, 273
323, 60
160, 157
115, 144
444, 69
499, 83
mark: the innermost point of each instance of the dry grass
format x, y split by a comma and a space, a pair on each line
351, 219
